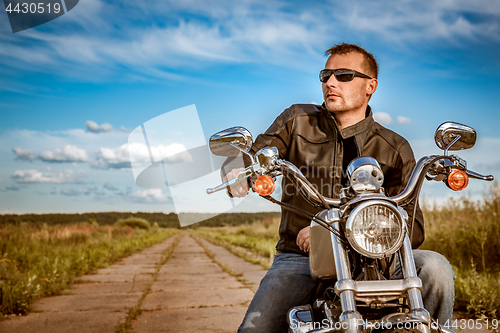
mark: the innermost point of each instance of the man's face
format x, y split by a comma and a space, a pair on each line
352, 95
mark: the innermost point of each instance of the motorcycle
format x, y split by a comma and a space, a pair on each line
354, 239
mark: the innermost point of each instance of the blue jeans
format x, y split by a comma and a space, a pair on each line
288, 283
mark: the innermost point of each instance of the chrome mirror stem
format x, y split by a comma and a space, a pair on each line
458, 136
243, 151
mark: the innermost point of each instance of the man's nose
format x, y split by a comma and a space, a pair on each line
332, 81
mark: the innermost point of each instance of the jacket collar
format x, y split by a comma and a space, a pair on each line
357, 129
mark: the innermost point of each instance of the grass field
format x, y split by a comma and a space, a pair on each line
37, 260
465, 232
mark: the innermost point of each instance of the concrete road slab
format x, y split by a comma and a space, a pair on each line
65, 322
200, 320
139, 261
116, 278
197, 283
171, 276
106, 288
108, 302
191, 270
251, 273
131, 269
198, 298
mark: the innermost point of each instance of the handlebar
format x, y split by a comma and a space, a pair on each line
313, 196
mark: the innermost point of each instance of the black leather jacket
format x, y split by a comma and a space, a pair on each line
307, 136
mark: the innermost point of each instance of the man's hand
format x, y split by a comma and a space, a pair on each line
240, 189
303, 239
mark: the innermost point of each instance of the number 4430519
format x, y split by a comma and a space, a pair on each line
34, 8
472, 324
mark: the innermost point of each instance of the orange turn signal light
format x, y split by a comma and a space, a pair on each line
458, 180
264, 185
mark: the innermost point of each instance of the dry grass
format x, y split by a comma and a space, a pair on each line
38, 260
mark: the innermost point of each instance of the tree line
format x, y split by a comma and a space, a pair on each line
109, 218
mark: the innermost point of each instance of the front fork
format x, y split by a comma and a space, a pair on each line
350, 319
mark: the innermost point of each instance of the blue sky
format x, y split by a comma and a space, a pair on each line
71, 90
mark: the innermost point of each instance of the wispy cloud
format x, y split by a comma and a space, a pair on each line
150, 39
452, 21
74, 192
110, 187
59, 177
23, 154
93, 127
68, 153
383, 118
149, 196
121, 157
403, 120
158, 42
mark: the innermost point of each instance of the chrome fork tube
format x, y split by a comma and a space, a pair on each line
409, 270
350, 319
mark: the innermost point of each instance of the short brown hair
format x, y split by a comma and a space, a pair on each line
345, 48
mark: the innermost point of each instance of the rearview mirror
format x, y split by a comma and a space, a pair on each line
448, 132
219, 143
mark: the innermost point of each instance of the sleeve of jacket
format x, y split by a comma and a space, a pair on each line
405, 163
277, 135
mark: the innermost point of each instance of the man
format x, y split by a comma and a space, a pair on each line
321, 141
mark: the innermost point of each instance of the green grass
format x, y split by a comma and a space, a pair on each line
41, 260
467, 233
259, 237
134, 222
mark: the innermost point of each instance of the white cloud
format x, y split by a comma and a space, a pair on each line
108, 158
59, 177
403, 120
149, 196
93, 127
23, 154
68, 153
121, 157
383, 118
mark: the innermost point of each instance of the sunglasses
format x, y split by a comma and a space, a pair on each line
341, 74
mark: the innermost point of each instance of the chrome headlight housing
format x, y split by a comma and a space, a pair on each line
365, 175
376, 228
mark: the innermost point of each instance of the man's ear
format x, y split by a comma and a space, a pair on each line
371, 87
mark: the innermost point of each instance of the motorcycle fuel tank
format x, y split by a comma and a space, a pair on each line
322, 262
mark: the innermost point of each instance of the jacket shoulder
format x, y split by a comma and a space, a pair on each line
393, 141
300, 110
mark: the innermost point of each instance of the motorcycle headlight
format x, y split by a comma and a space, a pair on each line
375, 228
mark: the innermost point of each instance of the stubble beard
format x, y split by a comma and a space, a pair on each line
357, 101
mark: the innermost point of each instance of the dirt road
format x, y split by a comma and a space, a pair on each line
170, 287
